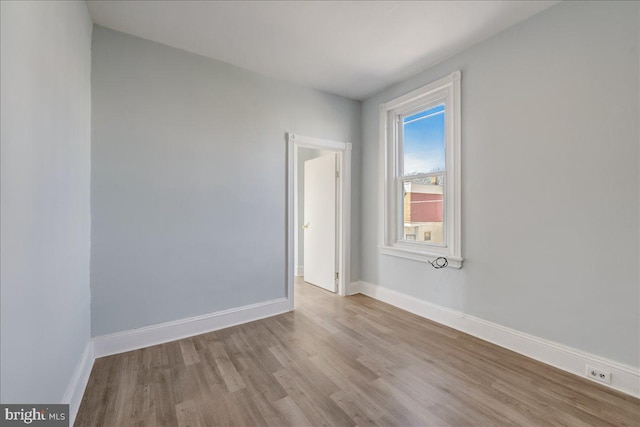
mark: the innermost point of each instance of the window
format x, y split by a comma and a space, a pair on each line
420, 138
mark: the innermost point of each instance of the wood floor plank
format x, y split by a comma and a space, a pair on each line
291, 412
342, 361
228, 372
262, 382
164, 399
189, 352
188, 414
362, 410
314, 401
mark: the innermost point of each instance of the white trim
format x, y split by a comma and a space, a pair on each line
354, 288
624, 378
343, 149
406, 253
320, 144
134, 339
78, 383
446, 90
417, 95
299, 271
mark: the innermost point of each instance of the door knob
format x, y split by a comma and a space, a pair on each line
305, 226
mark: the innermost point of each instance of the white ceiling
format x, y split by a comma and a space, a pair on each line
350, 48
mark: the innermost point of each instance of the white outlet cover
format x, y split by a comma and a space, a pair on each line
598, 375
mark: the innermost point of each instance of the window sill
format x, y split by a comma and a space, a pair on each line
422, 256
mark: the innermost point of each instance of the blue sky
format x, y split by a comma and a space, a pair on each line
424, 141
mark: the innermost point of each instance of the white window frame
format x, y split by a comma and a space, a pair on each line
444, 91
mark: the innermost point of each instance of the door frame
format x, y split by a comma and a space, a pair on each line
343, 206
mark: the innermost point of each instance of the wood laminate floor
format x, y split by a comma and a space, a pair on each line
342, 361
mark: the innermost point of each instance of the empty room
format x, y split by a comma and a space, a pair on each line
320, 213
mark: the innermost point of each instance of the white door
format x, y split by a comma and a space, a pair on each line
320, 222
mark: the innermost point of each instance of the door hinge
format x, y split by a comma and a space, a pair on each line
337, 174
337, 275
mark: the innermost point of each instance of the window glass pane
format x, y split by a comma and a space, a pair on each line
423, 209
424, 141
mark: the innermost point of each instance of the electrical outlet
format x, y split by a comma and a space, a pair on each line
598, 375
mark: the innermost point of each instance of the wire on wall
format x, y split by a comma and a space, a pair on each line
440, 262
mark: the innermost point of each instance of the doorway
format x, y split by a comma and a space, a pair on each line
315, 248
326, 154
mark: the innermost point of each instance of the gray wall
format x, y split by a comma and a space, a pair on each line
45, 151
188, 180
550, 182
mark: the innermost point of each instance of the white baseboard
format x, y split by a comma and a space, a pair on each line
624, 378
134, 339
299, 270
75, 390
354, 288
